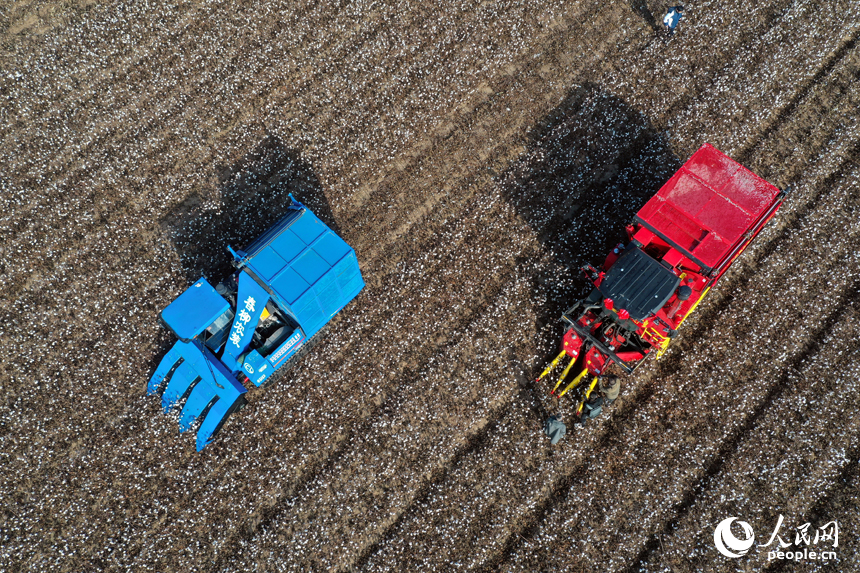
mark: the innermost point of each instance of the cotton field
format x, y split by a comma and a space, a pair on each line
474, 154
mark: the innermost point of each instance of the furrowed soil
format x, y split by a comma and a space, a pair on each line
474, 154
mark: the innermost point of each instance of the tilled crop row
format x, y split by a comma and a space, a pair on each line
131, 136
840, 504
800, 454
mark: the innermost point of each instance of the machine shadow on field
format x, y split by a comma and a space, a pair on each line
590, 165
251, 196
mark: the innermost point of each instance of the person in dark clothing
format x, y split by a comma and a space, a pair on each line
671, 19
608, 388
555, 429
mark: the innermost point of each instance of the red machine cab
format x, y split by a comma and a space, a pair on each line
680, 243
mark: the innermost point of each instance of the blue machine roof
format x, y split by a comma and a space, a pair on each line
194, 310
312, 270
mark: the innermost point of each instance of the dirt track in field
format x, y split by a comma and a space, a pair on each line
474, 155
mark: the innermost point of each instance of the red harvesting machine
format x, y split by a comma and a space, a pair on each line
679, 245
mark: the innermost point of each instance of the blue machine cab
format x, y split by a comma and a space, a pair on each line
287, 285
